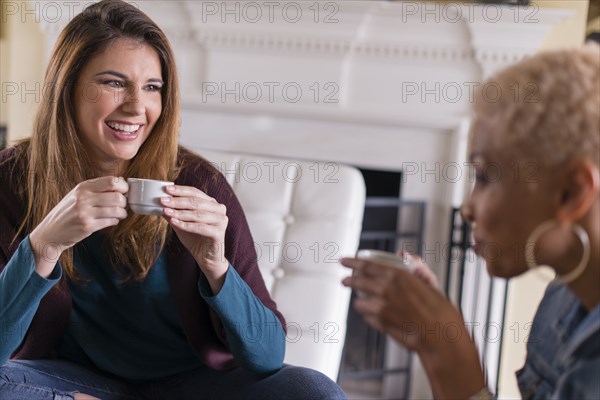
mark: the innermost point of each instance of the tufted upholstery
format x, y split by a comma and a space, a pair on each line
303, 216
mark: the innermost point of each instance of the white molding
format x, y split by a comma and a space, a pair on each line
518, 33
371, 118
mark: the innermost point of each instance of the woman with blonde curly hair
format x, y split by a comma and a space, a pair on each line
536, 200
98, 301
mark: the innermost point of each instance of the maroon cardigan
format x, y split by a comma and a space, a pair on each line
202, 327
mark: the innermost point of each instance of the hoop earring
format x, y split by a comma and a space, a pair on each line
543, 228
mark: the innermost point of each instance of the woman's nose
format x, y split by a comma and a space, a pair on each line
132, 103
466, 212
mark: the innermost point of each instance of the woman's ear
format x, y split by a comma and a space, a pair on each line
580, 191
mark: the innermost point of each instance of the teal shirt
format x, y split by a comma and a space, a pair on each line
133, 329
129, 329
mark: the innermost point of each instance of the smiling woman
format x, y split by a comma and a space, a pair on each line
70, 127
96, 300
118, 101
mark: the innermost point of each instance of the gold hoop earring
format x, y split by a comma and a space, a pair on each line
543, 228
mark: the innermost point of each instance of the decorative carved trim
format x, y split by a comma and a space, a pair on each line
517, 34
447, 37
498, 37
277, 43
368, 118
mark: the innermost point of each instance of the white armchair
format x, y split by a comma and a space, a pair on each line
303, 216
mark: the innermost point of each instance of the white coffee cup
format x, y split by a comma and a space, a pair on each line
144, 195
385, 258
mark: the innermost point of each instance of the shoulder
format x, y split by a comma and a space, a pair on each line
8, 157
552, 320
12, 174
193, 166
13, 164
581, 357
580, 381
195, 170
557, 301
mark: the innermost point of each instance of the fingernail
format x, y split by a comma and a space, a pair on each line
170, 188
166, 199
169, 211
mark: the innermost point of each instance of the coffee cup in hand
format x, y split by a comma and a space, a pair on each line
144, 195
385, 258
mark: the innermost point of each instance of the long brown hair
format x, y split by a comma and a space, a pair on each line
55, 155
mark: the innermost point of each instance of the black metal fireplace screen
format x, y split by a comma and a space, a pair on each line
389, 224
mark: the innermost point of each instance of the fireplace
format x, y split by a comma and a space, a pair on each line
2, 136
371, 361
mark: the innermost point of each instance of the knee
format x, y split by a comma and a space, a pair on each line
5, 374
12, 372
309, 383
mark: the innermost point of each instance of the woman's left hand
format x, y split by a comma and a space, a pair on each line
200, 223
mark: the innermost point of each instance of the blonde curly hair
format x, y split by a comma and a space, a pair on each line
547, 107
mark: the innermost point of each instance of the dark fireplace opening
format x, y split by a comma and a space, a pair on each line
389, 224
2, 137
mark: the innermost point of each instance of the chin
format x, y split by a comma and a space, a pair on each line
125, 154
504, 270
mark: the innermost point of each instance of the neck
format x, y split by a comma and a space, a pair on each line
585, 287
111, 168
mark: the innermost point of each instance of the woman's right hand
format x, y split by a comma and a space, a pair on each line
411, 309
420, 269
92, 205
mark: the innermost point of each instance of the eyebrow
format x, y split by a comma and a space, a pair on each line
124, 77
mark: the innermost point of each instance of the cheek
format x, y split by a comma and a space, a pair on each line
154, 111
490, 214
157, 109
154, 114
92, 110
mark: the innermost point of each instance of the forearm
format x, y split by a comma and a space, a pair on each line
453, 368
254, 333
21, 290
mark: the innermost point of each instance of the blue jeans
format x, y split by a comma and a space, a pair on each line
60, 379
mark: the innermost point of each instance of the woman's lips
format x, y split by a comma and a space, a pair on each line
477, 246
121, 131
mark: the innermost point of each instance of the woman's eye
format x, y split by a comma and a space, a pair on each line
115, 84
154, 88
480, 179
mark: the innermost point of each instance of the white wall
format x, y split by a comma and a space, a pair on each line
22, 67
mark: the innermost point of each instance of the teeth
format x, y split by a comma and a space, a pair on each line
123, 127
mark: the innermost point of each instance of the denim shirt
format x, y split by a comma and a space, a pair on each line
563, 350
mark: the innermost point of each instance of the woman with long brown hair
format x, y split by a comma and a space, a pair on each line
96, 300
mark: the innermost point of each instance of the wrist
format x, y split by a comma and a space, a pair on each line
46, 254
453, 368
483, 394
215, 275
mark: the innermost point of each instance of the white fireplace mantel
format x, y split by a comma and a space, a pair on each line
373, 55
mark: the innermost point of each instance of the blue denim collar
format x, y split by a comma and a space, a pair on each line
584, 341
